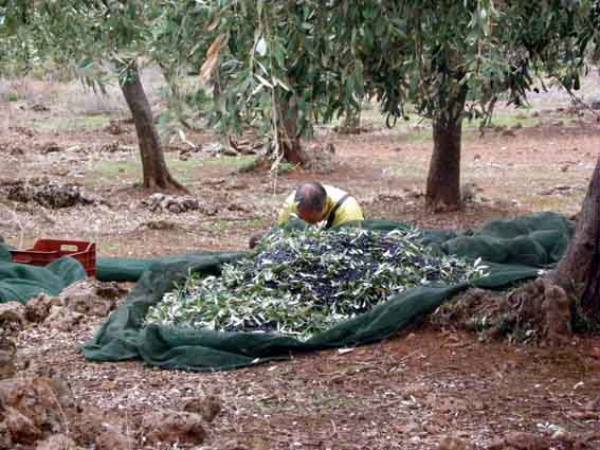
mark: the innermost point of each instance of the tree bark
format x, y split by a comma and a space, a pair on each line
443, 180
580, 266
288, 135
154, 167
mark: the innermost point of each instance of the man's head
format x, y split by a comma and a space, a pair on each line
311, 199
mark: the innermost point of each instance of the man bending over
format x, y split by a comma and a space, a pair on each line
317, 203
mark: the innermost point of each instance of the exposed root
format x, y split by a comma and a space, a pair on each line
538, 311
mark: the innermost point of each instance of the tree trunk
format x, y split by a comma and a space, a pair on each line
351, 119
443, 180
580, 266
288, 135
155, 172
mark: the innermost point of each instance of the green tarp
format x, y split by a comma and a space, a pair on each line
20, 282
516, 250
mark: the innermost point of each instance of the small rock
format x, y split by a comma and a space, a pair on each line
189, 203
162, 225
78, 297
17, 151
185, 155
557, 190
469, 191
209, 210
110, 290
175, 208
51, 147
12, 318
215, 181
477, 157
215, 148
114, 128
38, 309
111, 147
174, 204
237, 207
208, 407
38, 107
564, 168
171, 427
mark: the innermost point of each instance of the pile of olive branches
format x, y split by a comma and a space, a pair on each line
303, 282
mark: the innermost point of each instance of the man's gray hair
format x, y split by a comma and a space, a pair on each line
311, 196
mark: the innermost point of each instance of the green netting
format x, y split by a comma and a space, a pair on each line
20, 282
125, 269
122, 269
515, 249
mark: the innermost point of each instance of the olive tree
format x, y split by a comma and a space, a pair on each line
94, 39
450, 60
276, 66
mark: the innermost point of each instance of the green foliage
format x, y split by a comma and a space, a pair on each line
438, 51
310, 61
89, 40
305, 281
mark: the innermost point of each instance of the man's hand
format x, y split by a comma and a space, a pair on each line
254, 240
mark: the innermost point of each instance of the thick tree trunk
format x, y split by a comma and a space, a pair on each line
288, 134
443, 180
154, 167
580, 266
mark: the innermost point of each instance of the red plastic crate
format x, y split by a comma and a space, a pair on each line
45, 251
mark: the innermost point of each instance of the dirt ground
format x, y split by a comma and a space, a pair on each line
407, 393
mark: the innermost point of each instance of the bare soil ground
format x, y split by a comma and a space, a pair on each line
409, 392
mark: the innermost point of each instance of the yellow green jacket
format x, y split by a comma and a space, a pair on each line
349, 211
